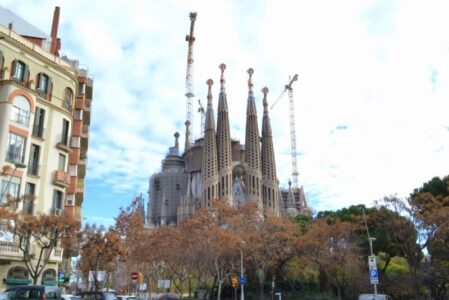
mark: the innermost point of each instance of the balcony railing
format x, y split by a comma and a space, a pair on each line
9, 247
61, 178
38, 131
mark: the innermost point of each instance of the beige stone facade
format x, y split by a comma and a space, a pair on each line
44, 128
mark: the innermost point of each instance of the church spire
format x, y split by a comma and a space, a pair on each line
209, 164
270, 189
252, 147
224, 154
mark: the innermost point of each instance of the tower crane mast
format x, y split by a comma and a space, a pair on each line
190, 38
289, 89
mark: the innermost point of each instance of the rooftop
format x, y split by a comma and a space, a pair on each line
20, 26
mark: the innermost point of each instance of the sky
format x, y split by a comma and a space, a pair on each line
371, 102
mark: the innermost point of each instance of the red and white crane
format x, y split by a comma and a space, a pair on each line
189, 82
289, 89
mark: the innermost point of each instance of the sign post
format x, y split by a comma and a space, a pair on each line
61, 277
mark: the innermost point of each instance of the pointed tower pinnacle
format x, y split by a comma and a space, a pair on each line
222, 80
250, 71
224, 153
252, 148
187, 137
176, 135
209, 163
270, 189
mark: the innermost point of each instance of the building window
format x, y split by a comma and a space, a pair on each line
19, 71
65, 132
33, 163
20, 110
57, 202
9, 188
44, 85
16, 148
38, 127
61, 162
68, 96
28, 200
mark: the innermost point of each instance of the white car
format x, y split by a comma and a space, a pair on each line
69, 297
372, 297
126, 297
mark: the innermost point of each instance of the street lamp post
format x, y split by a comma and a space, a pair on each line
17, 165
371, 239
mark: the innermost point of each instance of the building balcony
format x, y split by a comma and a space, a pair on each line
80, 103
85, 131
57, 253
63, 143
61, 178
80, 186
9, 250
82, 166
73, 185
74, 158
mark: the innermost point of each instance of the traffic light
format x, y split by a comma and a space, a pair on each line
234, 279
140, 277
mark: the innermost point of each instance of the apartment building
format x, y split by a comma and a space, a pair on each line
45, 104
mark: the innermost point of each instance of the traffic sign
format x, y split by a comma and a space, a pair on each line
372, 261
61, 276
374, 276
242, 280
134, 275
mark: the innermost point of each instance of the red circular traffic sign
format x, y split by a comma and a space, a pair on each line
134, 275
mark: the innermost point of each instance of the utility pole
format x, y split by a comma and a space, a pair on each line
372, 264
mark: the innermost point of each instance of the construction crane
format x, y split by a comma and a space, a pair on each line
203, 116
189, 81
289, 89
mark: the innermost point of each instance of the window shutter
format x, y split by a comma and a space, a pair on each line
13, 68
26, 76
49, 89
38, 81
2, 60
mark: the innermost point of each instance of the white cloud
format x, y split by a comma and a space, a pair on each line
378, 71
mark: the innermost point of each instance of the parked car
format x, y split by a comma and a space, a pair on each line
3, 296
372, 297
169, 296
97, 296
69, 297
33, 292
126, 297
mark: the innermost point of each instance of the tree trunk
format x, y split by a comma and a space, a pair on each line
220, 286
261, 288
